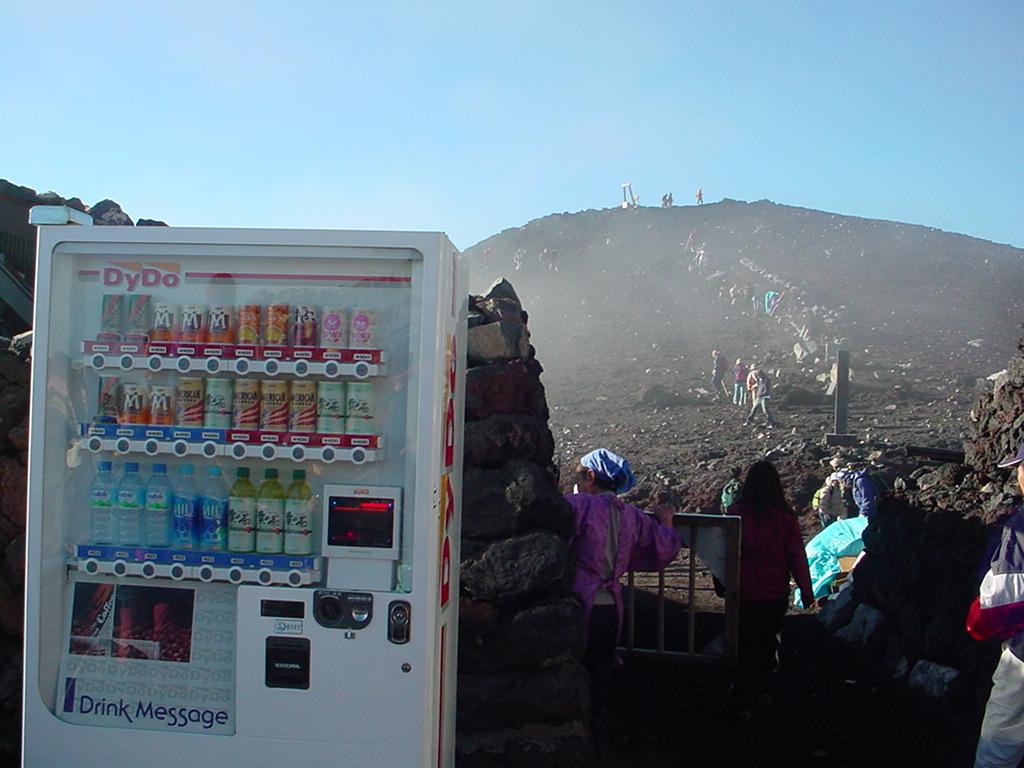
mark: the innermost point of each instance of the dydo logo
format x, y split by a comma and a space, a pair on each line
137, 274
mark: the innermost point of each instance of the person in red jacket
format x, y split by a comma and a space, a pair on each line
771, 549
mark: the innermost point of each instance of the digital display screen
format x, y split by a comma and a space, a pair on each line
360, 522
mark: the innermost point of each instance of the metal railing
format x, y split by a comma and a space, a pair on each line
715, 541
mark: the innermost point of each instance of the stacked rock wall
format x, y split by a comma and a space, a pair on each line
523, 698
927, 551
14, 400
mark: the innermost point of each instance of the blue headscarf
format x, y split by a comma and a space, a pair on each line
611, 467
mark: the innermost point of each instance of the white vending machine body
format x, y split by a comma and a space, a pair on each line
244, 483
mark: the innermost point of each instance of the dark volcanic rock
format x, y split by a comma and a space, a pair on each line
108, 212
510, 388
498, 341
514, 569
510, 500
559, 693
532, 746
498, 438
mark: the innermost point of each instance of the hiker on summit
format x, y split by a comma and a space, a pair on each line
611, 538
700, 196
998, 611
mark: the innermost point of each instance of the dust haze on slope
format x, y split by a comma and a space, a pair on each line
609, 291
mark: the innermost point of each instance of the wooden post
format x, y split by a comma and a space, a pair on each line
839, 434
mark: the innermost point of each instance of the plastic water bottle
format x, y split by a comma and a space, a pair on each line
183, 531
131, 504
159, 500
104, 499
213, 535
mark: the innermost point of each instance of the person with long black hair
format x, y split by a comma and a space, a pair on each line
771, 549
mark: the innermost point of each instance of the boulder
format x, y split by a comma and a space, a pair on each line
502, 289
150, 223
498, 309
501, 437
107, 212
524, 639
505, 387
837, 611
536, 745
556, 694
932, 680
13, 488
514, 498
863, 627
514, 569
497, 341
14, 562
21, 345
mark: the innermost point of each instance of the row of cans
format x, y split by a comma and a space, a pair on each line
136, 317
331, 407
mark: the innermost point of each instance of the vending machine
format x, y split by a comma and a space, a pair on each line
244, 479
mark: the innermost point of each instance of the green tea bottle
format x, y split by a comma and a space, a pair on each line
242, 513
270, 515
298, 516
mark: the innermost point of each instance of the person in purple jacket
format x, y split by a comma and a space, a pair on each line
611, 538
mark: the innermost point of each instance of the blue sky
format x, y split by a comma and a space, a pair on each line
473, 117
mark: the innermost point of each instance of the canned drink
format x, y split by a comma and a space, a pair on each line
363, 329
193, 322
274, 406
304, 325
217, 412
112, 318
245, 405
108, 402
220, 326
334, 328
330, 407
359, 400
359, 408
275, 332
165, 322
191, 397
140, 314
357, 425
303, 407
133, 404
249, 324
161, 405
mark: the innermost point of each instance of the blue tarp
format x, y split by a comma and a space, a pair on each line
840, 539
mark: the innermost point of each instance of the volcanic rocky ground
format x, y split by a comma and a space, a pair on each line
624, 323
